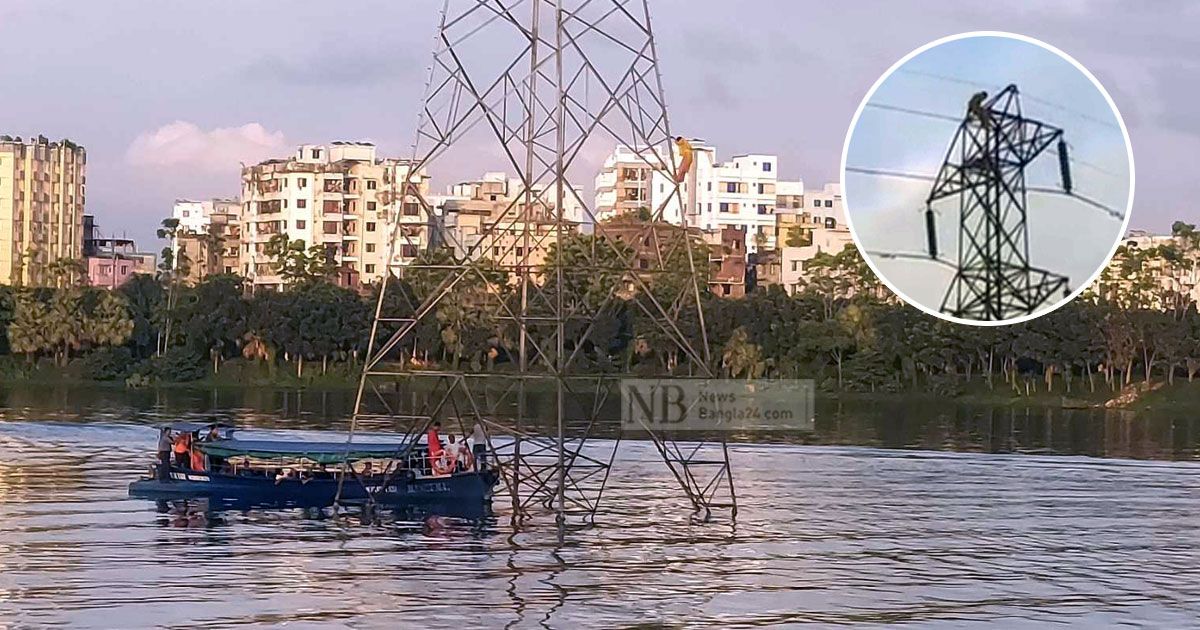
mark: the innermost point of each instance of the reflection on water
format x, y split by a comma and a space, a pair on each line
828, 533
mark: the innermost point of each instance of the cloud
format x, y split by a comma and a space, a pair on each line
184, 145
337, 69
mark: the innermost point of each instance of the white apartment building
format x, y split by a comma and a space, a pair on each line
340, 197
487, 219
816, 218
738, 193
1182, 278
196, 216
825, 240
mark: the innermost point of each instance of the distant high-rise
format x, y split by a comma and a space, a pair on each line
41, 207
339, 198
741, 193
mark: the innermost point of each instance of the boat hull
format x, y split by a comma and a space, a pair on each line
467, 489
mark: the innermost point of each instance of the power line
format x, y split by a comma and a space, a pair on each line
917, 112
887, 173
1116, 214
912, 256
961, 81
958, 119
1082, 199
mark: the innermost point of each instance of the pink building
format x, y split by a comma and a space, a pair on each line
111, 262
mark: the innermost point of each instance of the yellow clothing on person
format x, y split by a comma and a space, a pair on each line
685, 158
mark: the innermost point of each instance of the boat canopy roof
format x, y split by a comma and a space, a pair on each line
319, 452
192, 427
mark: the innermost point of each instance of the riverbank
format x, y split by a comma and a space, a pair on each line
242, 374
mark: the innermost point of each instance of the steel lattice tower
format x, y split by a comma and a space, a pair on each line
542, 85
985, 168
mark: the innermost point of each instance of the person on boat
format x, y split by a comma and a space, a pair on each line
197, 457
164, 453
479, 446
466, 459
182, 444
434, 446
454, 454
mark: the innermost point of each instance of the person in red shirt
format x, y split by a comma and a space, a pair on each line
434, 443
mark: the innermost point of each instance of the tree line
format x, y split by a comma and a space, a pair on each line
840, 326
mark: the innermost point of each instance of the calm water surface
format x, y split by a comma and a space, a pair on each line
941, 518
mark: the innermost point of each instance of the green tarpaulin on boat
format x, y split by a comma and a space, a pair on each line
318, 452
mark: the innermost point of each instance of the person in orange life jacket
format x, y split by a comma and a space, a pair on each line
183, 442
197, 458
434, 443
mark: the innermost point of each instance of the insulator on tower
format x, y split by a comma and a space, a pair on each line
1064, 165
931, 232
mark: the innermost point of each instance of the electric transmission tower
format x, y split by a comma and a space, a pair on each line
543, 87
985, 169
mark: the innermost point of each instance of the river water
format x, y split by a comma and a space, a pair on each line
912, 515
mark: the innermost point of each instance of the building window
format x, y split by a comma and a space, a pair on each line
301, 203
302, 182
371, 206
370, 226
370, 268
766, 167
408, 250
371, 184
762, 209
496, 251
370, 248
795, 265
731, 187
828, 203
710, 186
316, 155
724, 207
330, 227
300, 224
816, 203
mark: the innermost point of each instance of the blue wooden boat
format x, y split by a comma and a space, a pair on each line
308, 473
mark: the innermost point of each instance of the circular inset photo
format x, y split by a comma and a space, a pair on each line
987, 178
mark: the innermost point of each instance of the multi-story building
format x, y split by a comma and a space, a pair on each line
739, 193
1169, 281
42, 186
823, 240
625, 182
798, 214
208, 239
339, 198
487, 218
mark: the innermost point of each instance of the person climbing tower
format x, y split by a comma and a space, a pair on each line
976, 108
685, 158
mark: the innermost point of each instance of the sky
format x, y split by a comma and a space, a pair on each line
1065, 236
170, 96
